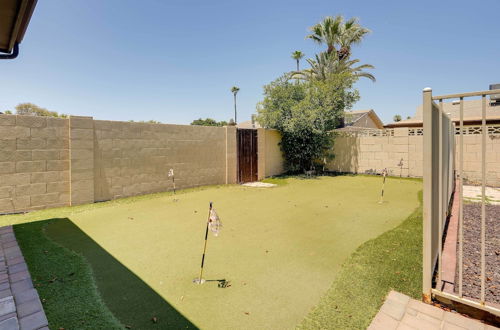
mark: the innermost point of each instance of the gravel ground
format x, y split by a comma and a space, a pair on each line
472, 252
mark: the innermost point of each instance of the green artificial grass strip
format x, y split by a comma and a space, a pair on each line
64, 282
392, 261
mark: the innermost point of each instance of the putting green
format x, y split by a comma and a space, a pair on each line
280, 247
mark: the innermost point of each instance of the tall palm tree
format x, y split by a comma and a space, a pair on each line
297, 56
337, 34
235, 91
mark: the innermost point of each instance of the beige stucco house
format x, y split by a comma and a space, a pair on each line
358, 119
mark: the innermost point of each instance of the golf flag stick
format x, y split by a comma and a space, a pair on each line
200, 279
400, 169
171, 174
384, 173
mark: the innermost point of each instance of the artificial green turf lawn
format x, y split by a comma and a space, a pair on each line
392, 261
64, 282
281, 247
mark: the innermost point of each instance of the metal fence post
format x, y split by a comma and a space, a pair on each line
428, 198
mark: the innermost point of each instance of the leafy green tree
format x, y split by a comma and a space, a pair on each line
151, 121
305, 114
208, 122
297, 56
397, 118
30, 109
338, 35
8, 112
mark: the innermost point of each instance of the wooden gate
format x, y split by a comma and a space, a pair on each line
247, 155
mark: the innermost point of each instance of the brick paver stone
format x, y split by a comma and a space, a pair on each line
9, 324
33, 321
20, 306
7, 305
29, 308
403, 313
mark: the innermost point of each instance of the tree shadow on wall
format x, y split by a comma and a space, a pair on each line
346, 154
133, 302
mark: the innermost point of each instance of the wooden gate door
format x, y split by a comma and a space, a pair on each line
247, 155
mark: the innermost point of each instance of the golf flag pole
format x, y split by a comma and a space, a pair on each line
200, 279
171, 174
400, 169
384, 173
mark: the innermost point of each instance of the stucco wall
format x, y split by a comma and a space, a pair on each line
274, 161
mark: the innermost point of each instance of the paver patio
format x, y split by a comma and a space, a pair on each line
401, 312
20, 306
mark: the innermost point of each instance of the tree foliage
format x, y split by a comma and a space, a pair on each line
338, 34
297, 56
208, 122
151, 121
326, 64
30, 109
396, 118
305, 114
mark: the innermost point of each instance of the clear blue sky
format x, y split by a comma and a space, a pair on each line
175, 61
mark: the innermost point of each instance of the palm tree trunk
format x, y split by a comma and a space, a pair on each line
235, 120
297, 80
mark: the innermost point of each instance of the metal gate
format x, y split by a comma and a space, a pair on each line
247, 155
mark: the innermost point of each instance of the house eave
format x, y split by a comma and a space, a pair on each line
15, 16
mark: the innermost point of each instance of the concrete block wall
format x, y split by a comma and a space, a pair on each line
134, 158
34, 163
82, 160
472, 158
231, 155
371, 154
48, 162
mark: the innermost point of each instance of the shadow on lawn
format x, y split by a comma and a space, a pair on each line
129, 298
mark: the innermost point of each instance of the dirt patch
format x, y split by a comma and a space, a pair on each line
472, 252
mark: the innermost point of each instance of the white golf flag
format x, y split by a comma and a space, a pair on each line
214, 222
171, 172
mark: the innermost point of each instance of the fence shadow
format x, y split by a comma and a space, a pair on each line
129, 298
